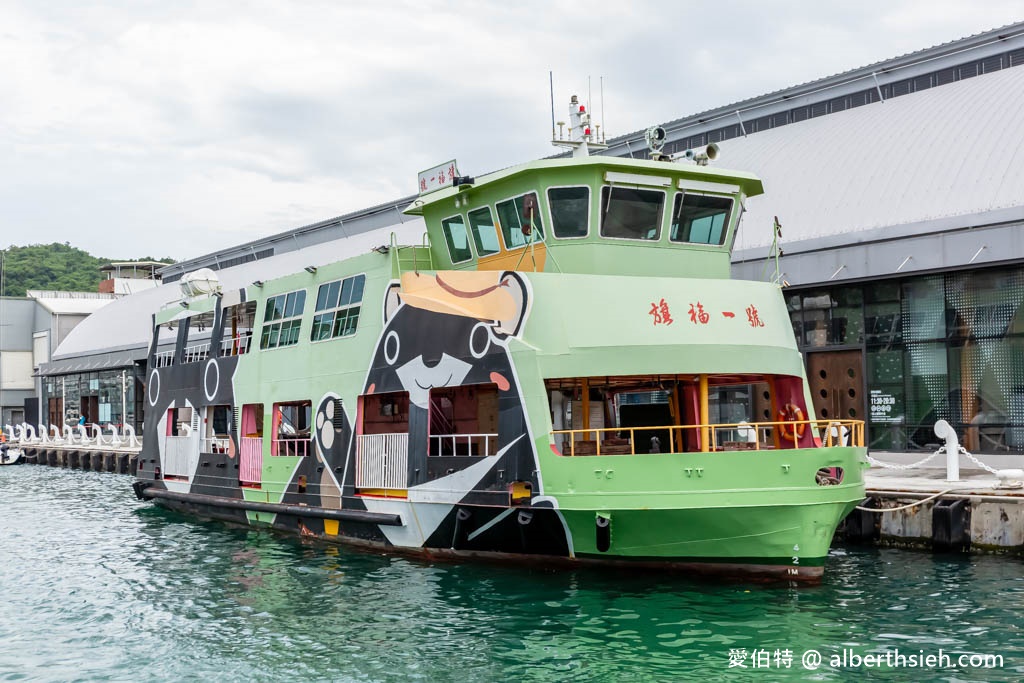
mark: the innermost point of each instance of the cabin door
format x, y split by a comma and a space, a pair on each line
837, 384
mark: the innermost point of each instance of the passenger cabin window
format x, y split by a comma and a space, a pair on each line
700, 218
485, 235
464, 420
457, 238
630, 213
282, 319
239, 321
519, 218
292, 428
337, 308
570, 211
197, 342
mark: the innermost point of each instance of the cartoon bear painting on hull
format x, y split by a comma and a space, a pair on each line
442, 375
429, 349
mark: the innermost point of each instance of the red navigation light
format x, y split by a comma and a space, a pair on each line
586, 131
582, 109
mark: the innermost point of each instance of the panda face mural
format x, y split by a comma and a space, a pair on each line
451, 330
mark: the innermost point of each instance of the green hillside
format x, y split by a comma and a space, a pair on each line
53, 266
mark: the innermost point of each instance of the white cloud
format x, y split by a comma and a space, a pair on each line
135, 127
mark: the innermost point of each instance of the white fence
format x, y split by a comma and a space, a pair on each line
382, 461
181, 455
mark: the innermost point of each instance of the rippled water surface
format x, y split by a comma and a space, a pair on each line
95, 585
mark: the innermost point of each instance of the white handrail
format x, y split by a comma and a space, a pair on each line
43, 433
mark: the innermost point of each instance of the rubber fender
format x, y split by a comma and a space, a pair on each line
603, 533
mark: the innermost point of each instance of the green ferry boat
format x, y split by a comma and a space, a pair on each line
561, 373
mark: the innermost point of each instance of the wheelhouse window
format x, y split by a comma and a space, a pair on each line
700, 218
570, 211
631, 213
457, 238
485, 235
519, 218
337, 308
282, 320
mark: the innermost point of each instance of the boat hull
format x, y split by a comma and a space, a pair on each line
780, 542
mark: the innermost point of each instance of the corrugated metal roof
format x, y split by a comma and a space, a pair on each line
127, 322
952, 151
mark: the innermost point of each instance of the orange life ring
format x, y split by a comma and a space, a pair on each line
792, 413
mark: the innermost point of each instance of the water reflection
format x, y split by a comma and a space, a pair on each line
97, 586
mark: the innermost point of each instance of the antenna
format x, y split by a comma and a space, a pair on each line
603, 134
590, 98
551, 82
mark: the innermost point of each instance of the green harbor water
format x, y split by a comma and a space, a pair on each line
96, 586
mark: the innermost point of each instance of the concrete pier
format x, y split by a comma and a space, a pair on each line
979, 513
95, 458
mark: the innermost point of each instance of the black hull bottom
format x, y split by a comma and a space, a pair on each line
365, 536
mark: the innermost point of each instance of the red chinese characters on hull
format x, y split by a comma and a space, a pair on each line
698, 315
661, 313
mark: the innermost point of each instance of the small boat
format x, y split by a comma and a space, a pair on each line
562, 373
9, 455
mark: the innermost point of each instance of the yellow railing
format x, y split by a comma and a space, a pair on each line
745, 436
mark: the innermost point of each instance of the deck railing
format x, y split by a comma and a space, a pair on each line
382, 461
236, 346
753, 436
299, 447
163, 359
216, 444
463, 444
197, 352
250, 466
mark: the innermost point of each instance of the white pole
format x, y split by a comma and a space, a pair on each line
124, 401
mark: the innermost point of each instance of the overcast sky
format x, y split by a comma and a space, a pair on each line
174, 128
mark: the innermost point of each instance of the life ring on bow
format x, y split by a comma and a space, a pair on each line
791, 413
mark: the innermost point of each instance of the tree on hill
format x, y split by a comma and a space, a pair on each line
53, 266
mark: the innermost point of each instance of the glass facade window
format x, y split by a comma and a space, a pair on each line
948, 346
104, 398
